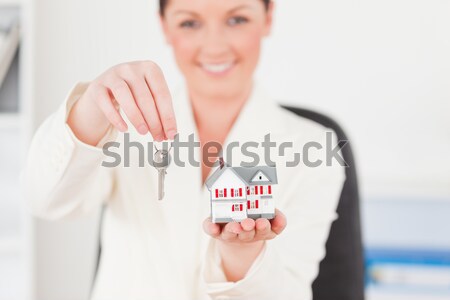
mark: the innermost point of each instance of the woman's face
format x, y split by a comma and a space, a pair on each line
217, 43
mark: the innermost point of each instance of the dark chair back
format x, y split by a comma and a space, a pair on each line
341, 273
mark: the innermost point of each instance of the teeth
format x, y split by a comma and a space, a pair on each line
217, 68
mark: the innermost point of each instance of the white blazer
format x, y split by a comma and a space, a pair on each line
157, 249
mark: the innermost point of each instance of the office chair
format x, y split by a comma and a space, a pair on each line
341, 272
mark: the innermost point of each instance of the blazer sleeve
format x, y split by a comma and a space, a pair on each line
63, 176
288, 264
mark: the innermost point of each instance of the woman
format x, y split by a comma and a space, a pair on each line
158, 250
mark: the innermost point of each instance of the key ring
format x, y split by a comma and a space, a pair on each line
156, 148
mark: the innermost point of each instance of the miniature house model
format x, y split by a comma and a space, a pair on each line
238, 193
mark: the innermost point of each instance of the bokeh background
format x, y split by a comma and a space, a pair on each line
380, 68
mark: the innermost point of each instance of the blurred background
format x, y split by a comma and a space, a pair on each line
380, 68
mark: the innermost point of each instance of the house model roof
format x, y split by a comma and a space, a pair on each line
247, 174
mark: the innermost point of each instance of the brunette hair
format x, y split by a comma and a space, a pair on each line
163, 4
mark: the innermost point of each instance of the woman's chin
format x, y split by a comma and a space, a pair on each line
226, 87
219, 89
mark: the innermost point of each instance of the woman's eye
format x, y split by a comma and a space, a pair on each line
189, 24
237, 20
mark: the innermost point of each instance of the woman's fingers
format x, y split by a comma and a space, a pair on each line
248, 224
146, 105
248, 232
210, 228
264, 230
123, 95
279, 222
105, 104
158, 87
231, 231
139, 89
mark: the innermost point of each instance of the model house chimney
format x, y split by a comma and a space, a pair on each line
221, 162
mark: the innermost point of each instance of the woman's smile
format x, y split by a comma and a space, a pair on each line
217, 69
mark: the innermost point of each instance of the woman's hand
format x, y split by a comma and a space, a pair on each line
240, 243
248, 231
139, 88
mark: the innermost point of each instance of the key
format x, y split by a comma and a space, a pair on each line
161, 162
161, 176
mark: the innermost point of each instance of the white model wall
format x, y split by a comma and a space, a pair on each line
381, 68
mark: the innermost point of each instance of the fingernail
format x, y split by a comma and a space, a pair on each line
142, 129
171, 134
159, 138
235, 230
122, 126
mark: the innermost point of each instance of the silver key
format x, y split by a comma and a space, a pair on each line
161, 162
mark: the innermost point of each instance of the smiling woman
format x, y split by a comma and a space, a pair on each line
155, 250
217, 43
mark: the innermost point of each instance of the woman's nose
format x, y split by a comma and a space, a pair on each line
215, 41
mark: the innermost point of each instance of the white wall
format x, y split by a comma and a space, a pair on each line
381, 68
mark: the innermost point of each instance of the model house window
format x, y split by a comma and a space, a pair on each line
221, 193
252, 204
237, 207
255, 190
236, 192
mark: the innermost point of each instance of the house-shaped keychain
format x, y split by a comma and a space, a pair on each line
238, 193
